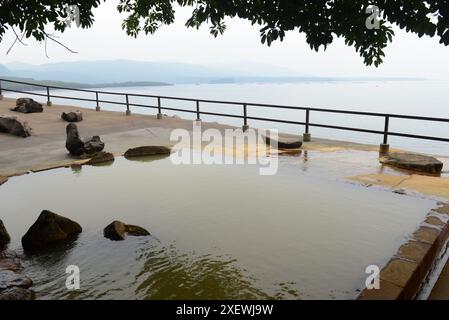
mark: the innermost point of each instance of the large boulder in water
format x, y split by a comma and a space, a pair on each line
412, 162
14, 126
4, 236
76, 116
49, 229
16, 293
117, 231
27, 105
93, 145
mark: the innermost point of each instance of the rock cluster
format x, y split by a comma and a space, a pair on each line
27, 105
76, 116
14, 126
78, 147
13, 284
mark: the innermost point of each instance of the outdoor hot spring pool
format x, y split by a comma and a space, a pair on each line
218, 232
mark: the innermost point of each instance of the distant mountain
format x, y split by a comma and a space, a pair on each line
54, 83
128, 70
5, 71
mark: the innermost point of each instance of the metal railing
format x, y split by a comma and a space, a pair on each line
306, 123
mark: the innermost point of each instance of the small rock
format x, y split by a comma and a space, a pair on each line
73, 142
117, 231
101, 157
4, 236
27, 105
146, 151
9, 279
283, 145
93, 145
16, 293
12, 125
48, 229
76, 116
413, 162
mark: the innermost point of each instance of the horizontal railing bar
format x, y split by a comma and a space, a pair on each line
363, 113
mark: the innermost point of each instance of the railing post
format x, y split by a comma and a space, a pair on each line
97, 108
307, 137
198, 117
159, 108
245, 120
1, 94
385, 147
48, 97
128, 112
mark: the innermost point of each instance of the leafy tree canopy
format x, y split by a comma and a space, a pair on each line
320, 20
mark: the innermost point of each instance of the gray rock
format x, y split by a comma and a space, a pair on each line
9, 279
10, 261
48, 229
93, 145
4, 236
412, 162
76, 116
27, 105
117, 231
146, 151
73, 142
14, 126
16, 293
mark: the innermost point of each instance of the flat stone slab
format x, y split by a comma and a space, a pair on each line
413, 162
147, 151
283, 144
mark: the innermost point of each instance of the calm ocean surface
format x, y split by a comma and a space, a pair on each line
422, 98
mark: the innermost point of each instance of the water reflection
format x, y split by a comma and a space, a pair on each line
168, 274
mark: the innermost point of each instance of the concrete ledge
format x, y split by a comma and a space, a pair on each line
403, 276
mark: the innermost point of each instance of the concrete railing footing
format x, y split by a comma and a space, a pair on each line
128, 112
49, 103
384, 148
1, 97
159, 116
245, 128
306, 137
97, 108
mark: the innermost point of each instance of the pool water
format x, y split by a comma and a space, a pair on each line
218, 232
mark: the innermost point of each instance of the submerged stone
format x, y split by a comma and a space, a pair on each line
147, 151
16, 293
48, 229
413, 162
118, 230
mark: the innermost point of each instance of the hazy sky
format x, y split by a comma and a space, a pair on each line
408, 55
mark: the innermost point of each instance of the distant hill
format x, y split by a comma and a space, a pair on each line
23, 87
4, 71
127, 70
